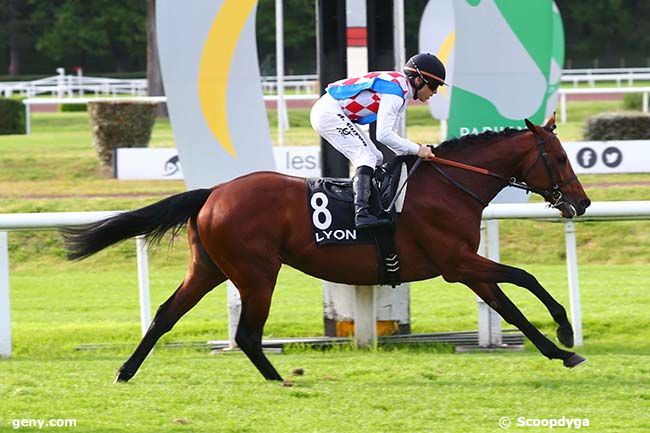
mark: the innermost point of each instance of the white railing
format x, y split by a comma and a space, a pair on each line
62, 101
299, 83
70, 85
601, 91
618, 75
82, 100
623, 210
53, 221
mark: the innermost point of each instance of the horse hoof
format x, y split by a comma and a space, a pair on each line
565, 335
574, 361
122, 377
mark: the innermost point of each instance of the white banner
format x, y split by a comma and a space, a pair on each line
587, 157
157, 164
590, 157
147, 164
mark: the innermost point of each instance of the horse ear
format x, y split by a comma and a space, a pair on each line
550, 123
530, 126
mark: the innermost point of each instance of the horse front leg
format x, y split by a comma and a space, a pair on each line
494, 296
479, 268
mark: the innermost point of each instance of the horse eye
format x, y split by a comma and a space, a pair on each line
562, 159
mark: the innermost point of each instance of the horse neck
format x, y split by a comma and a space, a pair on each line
503, 157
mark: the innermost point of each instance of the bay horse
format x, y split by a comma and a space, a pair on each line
245, 229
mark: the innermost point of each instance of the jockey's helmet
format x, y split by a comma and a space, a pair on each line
428, 67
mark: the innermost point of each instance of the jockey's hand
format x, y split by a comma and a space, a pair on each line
425, 152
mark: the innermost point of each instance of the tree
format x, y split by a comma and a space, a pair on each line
605, 30
14, 29
299, 36
85, 29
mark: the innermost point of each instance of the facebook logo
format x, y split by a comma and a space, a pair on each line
587, 157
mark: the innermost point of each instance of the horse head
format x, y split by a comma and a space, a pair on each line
547, 171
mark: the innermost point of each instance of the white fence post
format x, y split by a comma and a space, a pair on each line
365, 313
28, 119
489, 321
143, 283
562, 107
574, 286
234, 311
5, 310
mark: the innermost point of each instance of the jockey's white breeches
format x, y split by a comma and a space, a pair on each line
328, 120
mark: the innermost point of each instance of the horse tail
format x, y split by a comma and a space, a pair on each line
153, 221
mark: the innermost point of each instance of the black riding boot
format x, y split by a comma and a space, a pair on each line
361, 187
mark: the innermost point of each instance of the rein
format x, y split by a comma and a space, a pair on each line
554, 196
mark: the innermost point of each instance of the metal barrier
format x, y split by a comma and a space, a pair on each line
605, 74
69, 85
53, 221
602, 91
489, 329
49, 101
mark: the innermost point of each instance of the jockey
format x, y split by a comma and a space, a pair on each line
380, 97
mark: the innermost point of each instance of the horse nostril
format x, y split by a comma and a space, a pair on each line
585, 203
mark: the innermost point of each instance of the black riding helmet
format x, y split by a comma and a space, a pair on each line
428, 67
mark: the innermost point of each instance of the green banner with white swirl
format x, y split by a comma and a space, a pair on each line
504, 61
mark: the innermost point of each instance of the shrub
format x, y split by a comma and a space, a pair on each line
12, 116
120, 124
618, 126
69, 108
633, 101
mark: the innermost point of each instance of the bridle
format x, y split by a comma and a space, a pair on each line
554, 195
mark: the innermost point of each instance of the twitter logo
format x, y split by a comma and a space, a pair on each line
612, 157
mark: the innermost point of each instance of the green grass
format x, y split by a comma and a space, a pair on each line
384, 390
58, 306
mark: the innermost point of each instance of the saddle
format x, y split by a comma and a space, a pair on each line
331, 206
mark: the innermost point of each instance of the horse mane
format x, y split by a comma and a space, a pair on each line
476, 139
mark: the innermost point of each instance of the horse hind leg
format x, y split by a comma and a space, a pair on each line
188, 294
249, 332
202, 276
494, 296
256, 290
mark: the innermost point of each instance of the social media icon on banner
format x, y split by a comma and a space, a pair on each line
612, 157
587, 157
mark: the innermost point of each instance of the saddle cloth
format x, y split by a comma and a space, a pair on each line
331, 205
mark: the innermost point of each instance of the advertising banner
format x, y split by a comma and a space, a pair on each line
208, 57
591, 157
504, 60
164, 164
